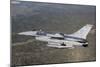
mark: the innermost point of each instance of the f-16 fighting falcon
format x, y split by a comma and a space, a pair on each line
60, 40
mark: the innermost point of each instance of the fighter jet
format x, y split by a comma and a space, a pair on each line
61, 40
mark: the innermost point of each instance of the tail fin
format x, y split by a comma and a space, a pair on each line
83, 32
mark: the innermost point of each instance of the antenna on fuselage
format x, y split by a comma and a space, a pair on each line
40, 30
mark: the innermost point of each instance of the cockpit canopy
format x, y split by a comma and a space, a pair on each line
41, 33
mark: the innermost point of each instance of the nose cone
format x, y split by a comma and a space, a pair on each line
31, 33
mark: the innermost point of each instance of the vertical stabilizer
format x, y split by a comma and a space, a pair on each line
83, 32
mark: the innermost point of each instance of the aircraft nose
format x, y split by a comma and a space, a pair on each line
32, 33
